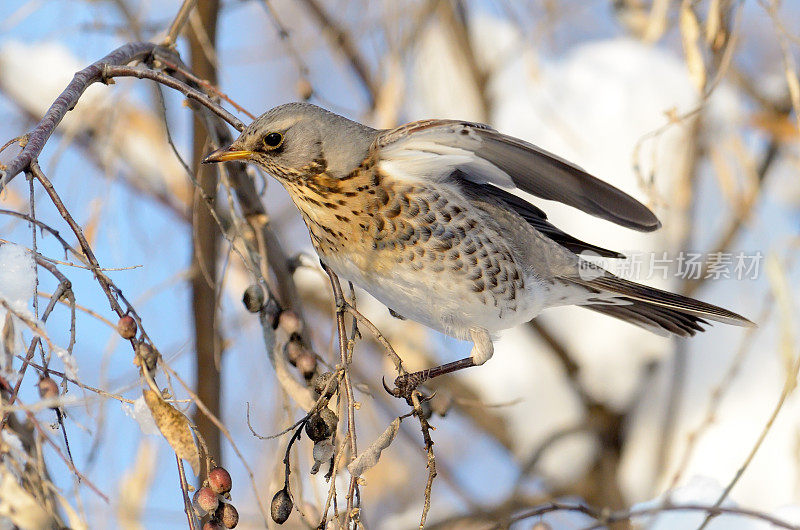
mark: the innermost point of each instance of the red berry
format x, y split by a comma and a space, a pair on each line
220, 480
205, 500
126, 327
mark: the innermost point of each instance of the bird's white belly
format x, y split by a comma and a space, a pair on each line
439, 300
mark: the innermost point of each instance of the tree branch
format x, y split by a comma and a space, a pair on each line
66, 101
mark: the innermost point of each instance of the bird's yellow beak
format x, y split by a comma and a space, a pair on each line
225, 154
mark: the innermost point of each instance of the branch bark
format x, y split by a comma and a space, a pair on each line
66, 101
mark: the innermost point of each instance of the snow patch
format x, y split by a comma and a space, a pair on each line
141, 413
17, 285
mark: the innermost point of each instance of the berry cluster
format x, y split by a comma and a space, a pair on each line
320, 427
295, 350
320, 424
214, 498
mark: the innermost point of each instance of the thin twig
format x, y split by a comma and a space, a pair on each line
140, 72
61, 455
718, 394
739, 219
332, 489
187, 504
224, 430
66, 101
780, 288
341, 41
177, 24
62, 288
351, 428
604, 518
362, 320
79, 307
431, 459
99, 391
52, 231
105, 283
205, 84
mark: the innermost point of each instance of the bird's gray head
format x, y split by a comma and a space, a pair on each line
298, 138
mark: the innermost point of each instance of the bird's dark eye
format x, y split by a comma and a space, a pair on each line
273, 140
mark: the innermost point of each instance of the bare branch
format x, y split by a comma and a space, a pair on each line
38, 136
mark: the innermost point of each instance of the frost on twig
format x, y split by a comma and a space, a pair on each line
16, 289
323, 452
372, 454
141, 413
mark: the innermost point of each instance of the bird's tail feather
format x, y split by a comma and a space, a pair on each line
659, 311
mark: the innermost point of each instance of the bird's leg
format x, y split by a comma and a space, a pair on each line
482, 350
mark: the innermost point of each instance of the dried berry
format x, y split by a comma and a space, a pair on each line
147, 355
205, 500
228, 515
126, 327
290, 322
307, 364
213, 524
321, 382
323, 452
316, 428
253, 298
281, 507
293, 350
330, 418
220, 480
48, 388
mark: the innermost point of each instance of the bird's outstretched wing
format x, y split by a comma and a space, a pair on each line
433, 149
533, 215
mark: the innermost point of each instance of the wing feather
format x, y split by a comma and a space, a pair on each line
536, 218
433, 149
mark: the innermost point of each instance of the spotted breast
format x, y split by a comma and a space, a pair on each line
425, 251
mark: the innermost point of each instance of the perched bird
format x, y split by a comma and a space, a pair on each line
422, 218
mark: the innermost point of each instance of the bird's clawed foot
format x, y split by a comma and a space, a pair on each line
405, 385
